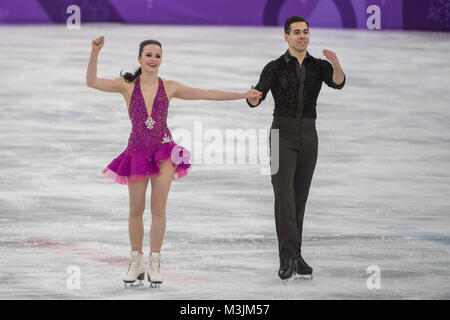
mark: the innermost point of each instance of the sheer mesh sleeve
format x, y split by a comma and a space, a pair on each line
265, 82
328, 75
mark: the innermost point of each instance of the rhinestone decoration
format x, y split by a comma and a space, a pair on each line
166, 138
149, 133
150, 122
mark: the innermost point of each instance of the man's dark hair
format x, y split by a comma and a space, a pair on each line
291, 20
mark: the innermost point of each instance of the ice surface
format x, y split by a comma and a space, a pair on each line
379, 196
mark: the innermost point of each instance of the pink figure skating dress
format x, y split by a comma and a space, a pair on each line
150, 141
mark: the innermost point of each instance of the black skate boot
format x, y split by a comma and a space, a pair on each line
303, 270
287, 269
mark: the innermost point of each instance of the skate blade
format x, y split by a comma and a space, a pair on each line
154, 284
132, 283
287, 281
303, 276
129, 284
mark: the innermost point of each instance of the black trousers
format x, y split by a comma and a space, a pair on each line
298, 145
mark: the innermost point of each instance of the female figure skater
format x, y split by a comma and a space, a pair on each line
151, 153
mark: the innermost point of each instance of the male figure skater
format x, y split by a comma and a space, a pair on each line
295, 79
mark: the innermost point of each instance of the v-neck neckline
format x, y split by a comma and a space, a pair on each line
143, 99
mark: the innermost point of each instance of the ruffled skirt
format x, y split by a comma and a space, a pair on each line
127, 167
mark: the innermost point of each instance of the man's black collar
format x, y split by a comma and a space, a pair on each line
288, 56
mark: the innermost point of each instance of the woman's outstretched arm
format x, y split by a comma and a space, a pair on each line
107, 85
178, 90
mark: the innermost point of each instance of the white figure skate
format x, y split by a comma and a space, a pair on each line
153, 270
136, 270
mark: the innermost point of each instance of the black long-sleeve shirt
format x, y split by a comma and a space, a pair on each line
295, 88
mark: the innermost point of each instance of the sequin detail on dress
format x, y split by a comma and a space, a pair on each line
150, 141
150, 122
166, 139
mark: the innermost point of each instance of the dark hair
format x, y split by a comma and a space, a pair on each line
129, 77
291, 20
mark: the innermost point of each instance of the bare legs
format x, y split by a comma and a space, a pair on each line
137, 192
160, 191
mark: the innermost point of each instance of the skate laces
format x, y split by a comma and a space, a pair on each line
154, 265
154, 262
303, 262
134, 262
285, 263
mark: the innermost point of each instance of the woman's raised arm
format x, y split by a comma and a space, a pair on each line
107, 85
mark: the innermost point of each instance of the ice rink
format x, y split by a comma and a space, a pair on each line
380, 195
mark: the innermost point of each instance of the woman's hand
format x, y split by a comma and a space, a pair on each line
107, 85
253, 95
98, 43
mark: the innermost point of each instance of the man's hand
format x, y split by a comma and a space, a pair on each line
254, 96
331, 56
338, 73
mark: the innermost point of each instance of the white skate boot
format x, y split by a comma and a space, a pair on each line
153, 269
136, 269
